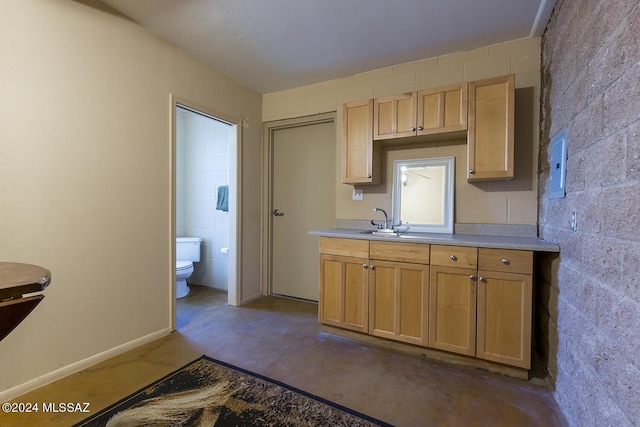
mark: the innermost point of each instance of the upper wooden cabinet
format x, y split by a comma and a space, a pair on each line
442, 109
395, 116
491, 123
357, 143
485, 109
425, 112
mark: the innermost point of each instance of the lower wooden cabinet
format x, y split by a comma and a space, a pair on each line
344, 292
452, 302
452, 310
471, 301
505, 297
504, 318
344, 283
399, 301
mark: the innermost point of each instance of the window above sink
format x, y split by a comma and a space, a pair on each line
423, 194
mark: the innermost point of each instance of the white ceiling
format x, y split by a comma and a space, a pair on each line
271, 45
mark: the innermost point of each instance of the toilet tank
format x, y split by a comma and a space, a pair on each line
188, 249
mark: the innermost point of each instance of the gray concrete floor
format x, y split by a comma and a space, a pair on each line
281, 339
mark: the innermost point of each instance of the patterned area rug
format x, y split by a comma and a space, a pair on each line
208, 392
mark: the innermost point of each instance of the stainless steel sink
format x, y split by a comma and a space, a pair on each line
390, 234
380, 233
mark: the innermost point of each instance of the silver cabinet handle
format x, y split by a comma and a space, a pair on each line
369, 176
453, 258
420, 128
413, 129
365, 266
472, 277
277, 212
505, 261
372, 267
483, 279
472, 171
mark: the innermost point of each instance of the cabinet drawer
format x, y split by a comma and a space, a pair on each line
454, 256
507, 260
345, 247
417, 253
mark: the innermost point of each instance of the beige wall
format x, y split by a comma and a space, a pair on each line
507, 202
85, 177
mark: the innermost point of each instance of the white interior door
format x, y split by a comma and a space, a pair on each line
303, 199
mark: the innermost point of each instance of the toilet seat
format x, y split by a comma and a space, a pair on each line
183, 265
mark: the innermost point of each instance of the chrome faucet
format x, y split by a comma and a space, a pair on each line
388, 226
387, 223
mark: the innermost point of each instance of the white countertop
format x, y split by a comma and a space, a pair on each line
480, 241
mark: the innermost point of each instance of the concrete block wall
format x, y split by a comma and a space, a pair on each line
499, 202
589, 296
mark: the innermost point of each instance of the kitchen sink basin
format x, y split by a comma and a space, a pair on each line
389, 234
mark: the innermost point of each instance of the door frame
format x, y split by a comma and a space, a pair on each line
235, 202
269, 128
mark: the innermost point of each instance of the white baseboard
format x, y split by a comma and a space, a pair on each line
251, 298
52, 376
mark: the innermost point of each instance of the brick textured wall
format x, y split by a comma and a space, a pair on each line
589, 298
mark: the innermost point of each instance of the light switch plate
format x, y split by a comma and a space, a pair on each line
358, 194
558, 165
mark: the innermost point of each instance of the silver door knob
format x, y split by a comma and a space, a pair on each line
277, 212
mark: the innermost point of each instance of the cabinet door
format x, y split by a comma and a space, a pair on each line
491, 122
344, 292
504, 318
394, 116
399, 301
357, 143
452, 310
442, 109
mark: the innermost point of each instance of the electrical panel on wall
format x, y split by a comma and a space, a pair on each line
558, 165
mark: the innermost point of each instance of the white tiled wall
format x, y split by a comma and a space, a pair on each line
202, 165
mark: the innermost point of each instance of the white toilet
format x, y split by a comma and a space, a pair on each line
187, 252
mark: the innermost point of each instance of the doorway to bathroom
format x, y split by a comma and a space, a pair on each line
205, 164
